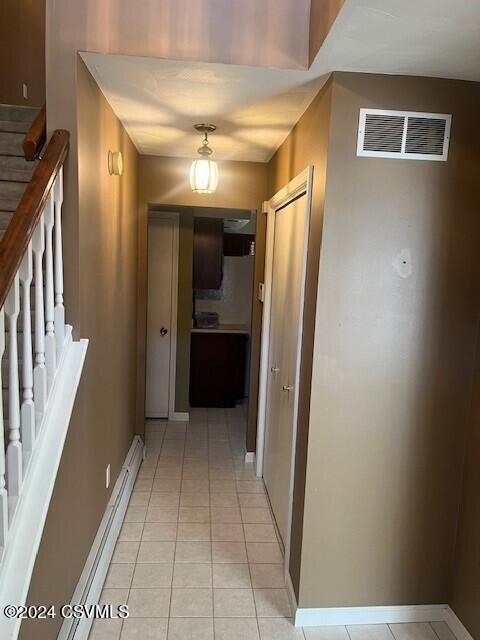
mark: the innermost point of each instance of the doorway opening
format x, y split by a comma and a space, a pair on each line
200, 268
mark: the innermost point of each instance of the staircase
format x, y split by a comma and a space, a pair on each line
15, 174
40, 363
15, 171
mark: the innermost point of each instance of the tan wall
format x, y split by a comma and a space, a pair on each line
465, 597
184, 312
103, 423
306, 145
22, 51
393, 358
164, 181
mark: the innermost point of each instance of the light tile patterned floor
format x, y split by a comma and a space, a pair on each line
198, 557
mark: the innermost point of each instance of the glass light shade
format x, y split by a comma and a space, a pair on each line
204, 176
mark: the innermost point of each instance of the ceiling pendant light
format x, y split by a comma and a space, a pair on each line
204, 172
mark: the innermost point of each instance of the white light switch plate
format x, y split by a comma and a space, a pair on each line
107, 477
261, 292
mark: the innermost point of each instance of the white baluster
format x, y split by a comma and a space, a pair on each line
40, 371
50, 346
14, 448
59, 308
3, 491
27, 412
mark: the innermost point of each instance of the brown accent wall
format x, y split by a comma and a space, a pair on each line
306, 145
271, 33
394, 356
323, 14
465, 596
103, 423
22, 51
242, 185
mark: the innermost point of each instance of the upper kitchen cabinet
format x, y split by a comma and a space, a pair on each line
238, 244
207, 253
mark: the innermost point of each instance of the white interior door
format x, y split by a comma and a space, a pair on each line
284, 353
161, 255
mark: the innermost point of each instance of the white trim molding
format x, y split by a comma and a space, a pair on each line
333, 616
456, 625
180, 416
336, 616
299, 186
93, 576
174, 218
29, 520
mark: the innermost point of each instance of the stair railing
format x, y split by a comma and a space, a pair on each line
30, 259
36, 136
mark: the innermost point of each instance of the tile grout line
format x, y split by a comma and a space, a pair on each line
143, 525
211, 527
176, 535
246, 548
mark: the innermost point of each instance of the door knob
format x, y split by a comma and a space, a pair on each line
163, 331
287, 387
274, 369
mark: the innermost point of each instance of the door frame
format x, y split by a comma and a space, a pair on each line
301, 184
174, 218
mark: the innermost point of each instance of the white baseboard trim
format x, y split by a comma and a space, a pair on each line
250, 457
456, 626
93, 576
180, 416
332, 616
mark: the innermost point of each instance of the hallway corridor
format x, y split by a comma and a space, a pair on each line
198, 557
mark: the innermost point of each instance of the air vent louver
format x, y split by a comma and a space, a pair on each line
403, 134
383, 133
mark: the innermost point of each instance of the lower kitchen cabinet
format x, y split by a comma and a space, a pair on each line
217, 369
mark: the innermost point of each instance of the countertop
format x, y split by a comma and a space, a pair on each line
223, 328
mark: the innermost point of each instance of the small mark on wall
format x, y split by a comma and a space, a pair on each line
402, 263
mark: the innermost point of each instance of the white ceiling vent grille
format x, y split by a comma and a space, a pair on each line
403, 134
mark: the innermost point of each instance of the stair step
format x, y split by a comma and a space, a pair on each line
16, 168
11, 143
8, 204
5, 217
15, 113
14, 127
15, 175
11, 190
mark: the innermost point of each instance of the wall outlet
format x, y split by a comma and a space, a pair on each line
25, 91
107, 477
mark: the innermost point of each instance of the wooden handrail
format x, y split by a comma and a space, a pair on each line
35, 137
22, 225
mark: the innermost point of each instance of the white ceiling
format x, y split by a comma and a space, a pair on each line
438, 38
159, 101
255, 108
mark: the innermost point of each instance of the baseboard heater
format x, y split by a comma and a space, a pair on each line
93, 576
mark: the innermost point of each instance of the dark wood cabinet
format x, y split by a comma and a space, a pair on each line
237, 244
217, 369
207, 253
